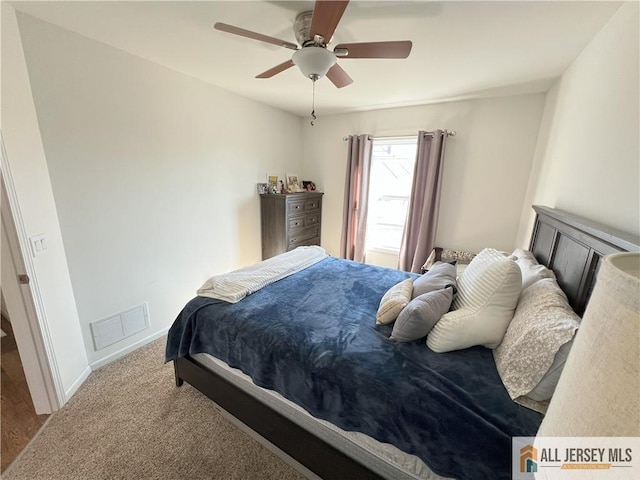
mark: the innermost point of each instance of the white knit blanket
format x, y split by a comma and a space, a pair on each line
234, 286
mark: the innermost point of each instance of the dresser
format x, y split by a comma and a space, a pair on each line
289, 220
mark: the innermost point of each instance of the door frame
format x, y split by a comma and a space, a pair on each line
24, 304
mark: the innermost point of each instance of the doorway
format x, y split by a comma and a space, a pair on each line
20, 422
27, 379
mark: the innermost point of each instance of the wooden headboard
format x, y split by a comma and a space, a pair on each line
573, 247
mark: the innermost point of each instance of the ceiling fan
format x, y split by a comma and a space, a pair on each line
313, 31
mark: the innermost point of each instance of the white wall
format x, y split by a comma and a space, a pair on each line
486, 165
587, 159
154, 175
29, 177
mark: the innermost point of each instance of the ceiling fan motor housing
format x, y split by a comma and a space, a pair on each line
301, 27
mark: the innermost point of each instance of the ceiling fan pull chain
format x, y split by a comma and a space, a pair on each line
313, 103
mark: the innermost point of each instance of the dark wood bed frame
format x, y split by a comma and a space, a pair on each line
573, 247
569, 245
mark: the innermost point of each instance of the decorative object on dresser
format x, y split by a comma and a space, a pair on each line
289, 221
293, 183
272, 181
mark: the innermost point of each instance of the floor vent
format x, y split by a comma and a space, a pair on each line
110, 330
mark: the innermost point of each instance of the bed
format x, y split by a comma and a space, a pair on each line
451, 419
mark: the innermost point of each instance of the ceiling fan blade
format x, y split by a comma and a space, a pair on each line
399, 49
326, 16
255, 36
275, 70
338, 76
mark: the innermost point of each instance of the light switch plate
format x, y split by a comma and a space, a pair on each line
38, 244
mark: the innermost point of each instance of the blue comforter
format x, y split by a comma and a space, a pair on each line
313, 338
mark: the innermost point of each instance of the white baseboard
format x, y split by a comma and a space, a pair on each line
122, 352
79, 381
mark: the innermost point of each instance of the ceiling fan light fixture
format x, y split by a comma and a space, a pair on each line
314, 61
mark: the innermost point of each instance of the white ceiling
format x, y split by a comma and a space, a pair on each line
460, 49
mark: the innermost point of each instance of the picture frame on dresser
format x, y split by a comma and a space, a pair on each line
308, 185
292, 182
272, 184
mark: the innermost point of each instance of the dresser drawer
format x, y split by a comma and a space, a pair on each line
311, 204
312, 219
309, 220
302, 235
304, 243
296, 223
295, 207
304, 205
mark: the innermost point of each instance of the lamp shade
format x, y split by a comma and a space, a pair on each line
314, 61
598, 394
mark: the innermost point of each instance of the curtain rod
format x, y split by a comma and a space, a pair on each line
451, 133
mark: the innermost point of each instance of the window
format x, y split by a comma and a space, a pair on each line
392, 162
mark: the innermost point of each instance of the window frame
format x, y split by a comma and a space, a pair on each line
377, 141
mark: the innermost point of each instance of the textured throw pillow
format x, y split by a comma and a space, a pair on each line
531, 355
393, 301
421, 314
531, 270
448, 256
488, 292
437, 278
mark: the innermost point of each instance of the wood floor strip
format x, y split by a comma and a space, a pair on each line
19, 421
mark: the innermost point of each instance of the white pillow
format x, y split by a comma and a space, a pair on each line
393, 301
537, 343
488, 292
531, 270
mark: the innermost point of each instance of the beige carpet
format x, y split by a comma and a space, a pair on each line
130, 421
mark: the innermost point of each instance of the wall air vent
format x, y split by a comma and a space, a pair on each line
110, 330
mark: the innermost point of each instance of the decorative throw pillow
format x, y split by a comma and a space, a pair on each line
437, 278
447, 255
488, 292
421, 314
531, 270
532, 353
393, 301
